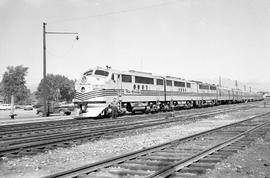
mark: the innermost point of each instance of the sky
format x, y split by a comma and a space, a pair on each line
192, 39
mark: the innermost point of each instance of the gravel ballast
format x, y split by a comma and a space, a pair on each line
254, 162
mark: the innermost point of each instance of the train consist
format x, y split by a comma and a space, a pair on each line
144, 92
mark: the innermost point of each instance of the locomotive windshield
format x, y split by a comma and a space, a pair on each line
102, 73
89, 72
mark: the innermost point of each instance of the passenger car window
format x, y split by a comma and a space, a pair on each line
144, 80
179, 84
126, 78
168, 82
159, 82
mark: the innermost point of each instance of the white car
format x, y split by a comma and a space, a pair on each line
28, 107
5, 107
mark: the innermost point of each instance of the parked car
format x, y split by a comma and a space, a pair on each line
5, 107
28, 107
54, 108
19, 106
38, 105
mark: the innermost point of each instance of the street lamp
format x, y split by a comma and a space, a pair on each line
45, 88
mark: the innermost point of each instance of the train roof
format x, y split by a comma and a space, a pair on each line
140, 73
148, 74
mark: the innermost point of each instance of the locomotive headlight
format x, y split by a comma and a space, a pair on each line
83, 89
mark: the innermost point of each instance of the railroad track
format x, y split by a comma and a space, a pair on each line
186, 157
45, 128
32, 144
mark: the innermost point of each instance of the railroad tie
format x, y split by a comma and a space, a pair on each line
146, 162
196, 170
127, 172
183, 174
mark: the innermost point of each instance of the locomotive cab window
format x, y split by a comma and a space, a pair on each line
90, 72
102, 73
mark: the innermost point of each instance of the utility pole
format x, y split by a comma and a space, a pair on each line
45, 87
44, 72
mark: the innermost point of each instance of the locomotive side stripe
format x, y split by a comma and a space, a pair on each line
115, 92
155, 93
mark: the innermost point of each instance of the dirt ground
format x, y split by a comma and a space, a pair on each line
250, 163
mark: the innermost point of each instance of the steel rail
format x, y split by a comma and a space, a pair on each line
7, 140
86, 128
186, 162
118, 159
32, 143
112, 128
14, 128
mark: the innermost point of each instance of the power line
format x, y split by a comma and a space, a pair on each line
114, 12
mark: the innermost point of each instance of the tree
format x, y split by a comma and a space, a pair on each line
2, 98
59, 88
23, 96
13, 83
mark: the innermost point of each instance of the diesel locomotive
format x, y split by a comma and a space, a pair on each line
141, 91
